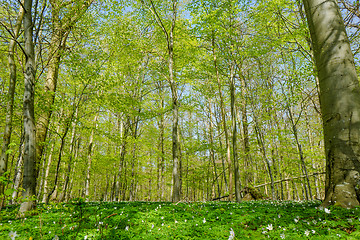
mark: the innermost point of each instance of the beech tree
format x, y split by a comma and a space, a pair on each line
339, 99
29, 179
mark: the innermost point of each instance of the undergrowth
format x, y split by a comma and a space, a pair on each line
199, 220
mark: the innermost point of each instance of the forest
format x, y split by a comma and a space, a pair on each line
179, 100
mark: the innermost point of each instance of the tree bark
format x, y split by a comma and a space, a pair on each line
339, 99
29, 178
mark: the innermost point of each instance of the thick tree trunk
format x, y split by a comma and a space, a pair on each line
10, 99
339, 100
29, 179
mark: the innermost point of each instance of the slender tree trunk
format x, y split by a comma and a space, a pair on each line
18, 170
176, 193
89, 156
61, 150
212, 152
46, 175
69, 191
70, 160
246, 144
266, 159
132, 189
10, 100
223, 114
30, 174
308, 192
161, 158
234, 134
339, 100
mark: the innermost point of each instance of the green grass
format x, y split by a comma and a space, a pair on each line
200, 220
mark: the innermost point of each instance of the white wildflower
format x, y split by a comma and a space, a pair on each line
232, 234
282, 236
127, 228
204, 220
55, 237
327, 210
307, 232
13, 235
270, 227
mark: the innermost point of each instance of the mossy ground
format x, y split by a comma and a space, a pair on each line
200, 220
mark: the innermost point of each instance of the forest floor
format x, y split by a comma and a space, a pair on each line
198, 220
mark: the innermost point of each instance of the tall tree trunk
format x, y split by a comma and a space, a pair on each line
234, 134
339, 100
212, 152
47, 171
169, 36
161, 158
89, 156
176, 191
61, 29
18, 170
223, 115
70, 160
10, 99
308, 192
61, 150
245, 129
260, 137
30, 174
